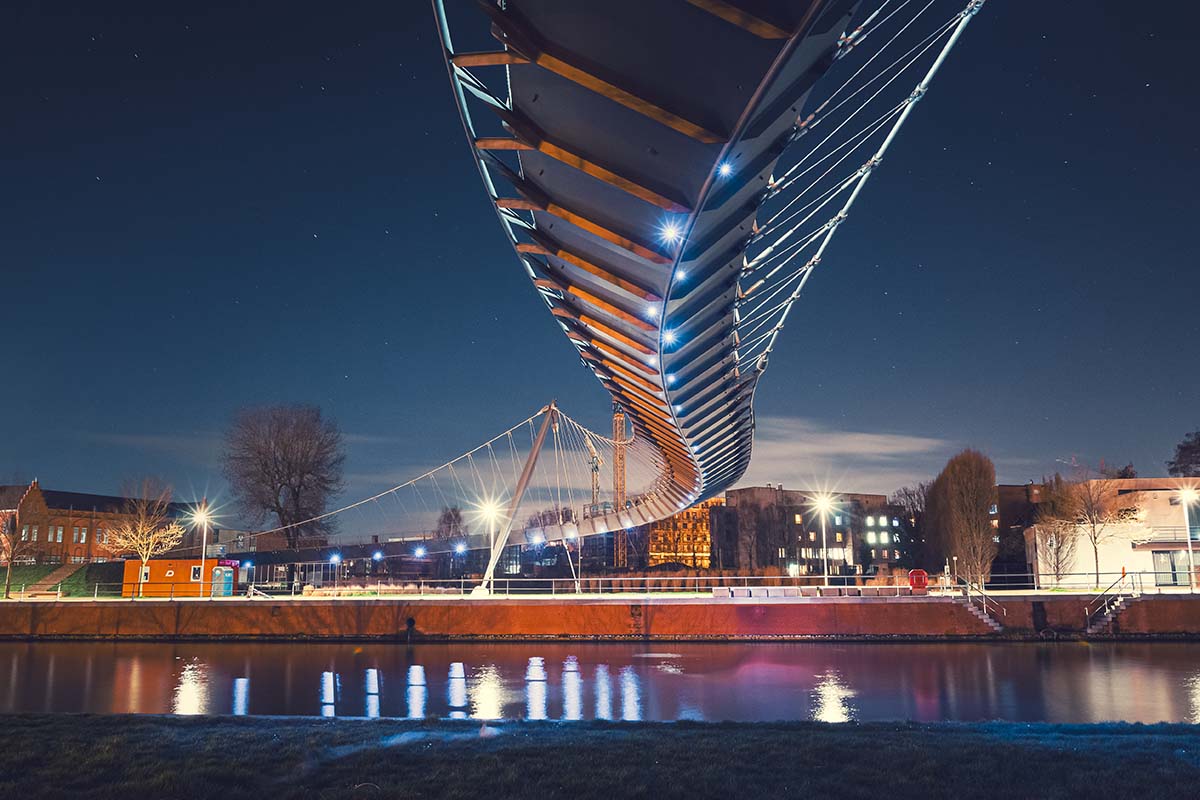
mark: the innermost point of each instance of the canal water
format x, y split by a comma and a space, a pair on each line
1076, 682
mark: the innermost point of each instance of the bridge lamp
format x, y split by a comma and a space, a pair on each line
460, 548
725, 170
377, 556
680, 274
335, 559
670, 337
671, 233
1187, 498
419, 552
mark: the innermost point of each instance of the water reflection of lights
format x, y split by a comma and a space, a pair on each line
536, 671
416, 692
572, 683
1193, 685
603, 692
535, 699
456, 691
487, 701
191, 693
328, 693
241, 696
631, 696
831, 695
371, 684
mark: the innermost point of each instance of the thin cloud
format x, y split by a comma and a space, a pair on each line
802, 453
200, 448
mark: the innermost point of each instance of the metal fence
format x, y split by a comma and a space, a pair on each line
693, 585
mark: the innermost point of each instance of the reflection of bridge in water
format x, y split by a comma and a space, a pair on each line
670, 174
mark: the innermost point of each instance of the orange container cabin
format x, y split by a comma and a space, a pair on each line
180, 577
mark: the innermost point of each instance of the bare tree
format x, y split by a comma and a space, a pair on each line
450, 524
285, 462
1056, 534
1098, 508
148, 528
915, 500
14, 543
959, 499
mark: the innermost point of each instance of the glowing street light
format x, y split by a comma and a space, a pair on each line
460, 548
823, 503
1187, 498
419, 552
201, 518
725, 170
377, 556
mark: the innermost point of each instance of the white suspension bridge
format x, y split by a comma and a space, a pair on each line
679, 169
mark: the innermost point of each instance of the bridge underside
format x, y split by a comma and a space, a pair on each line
627, 146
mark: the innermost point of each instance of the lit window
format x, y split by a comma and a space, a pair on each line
995, 523
895, 522
996, 539
872, 552
870, 537
24, 533
75, 535
837, 519
60, 532
34, 539
812, 535
799, 519
883, 537
992, 508
82, 535
839, 536
870, 522
196, 573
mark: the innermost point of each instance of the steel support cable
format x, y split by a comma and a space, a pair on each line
823, 199
859, 35
853, 143
757, 312
785, 256
921, 48
819, 113
764, 257
407, 484
964, 18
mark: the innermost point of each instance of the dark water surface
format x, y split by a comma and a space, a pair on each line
1135, 682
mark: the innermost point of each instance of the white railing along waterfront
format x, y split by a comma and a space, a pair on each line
987, 598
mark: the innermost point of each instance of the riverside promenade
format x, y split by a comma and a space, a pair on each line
623, 617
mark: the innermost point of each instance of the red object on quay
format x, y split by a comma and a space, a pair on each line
918, 579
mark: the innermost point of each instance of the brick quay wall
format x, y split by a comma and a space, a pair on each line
648, 619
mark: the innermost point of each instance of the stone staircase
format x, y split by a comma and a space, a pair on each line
1103, 622
982, 615
48, 585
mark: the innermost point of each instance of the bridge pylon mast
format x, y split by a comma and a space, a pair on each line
620, 539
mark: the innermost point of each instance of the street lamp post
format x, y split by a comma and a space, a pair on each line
202, 518
824, 504
1188, 496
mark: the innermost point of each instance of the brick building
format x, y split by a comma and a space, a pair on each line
58, 527
769, 526
684, 538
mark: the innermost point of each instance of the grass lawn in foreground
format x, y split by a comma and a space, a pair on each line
84, 756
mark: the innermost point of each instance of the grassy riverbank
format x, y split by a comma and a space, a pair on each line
228, 758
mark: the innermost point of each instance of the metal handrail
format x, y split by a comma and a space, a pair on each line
986, 603
1108, 599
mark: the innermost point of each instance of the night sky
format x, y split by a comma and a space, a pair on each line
235, 204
